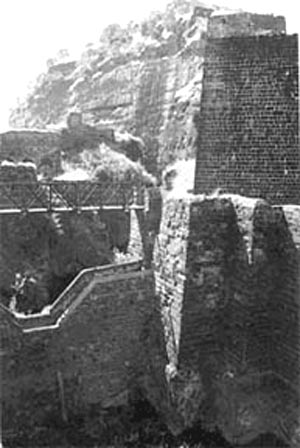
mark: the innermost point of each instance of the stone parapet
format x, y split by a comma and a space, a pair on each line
228, 24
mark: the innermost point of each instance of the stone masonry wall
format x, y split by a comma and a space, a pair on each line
285, 304
248, 131
244, 24
170, 270
107, 343
227, 274
226, 285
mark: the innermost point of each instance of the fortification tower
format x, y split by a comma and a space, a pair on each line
248, 132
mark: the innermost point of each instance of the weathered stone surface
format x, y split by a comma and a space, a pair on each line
170, 270
226, 311
148, 82
48, 149
244, 24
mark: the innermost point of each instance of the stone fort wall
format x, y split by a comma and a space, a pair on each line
211, 331
101, 340
248, 127
227, 275
225, 279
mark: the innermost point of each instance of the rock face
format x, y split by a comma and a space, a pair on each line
145, 79
49, 148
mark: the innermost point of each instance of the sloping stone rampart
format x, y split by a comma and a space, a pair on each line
227, 274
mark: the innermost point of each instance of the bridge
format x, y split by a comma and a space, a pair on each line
68, 196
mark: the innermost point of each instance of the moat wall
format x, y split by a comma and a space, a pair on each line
248, 131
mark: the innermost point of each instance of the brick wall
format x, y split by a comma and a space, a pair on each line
248, 126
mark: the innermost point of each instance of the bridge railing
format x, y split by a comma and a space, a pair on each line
17, 197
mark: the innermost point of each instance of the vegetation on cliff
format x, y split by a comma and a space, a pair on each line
106, 165
144, 78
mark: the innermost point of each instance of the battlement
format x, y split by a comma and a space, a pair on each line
227, 24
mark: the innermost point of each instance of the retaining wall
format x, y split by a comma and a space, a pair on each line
105, 341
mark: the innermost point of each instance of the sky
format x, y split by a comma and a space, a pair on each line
33, 31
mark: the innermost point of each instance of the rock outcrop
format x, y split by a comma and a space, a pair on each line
48, 149
145, 79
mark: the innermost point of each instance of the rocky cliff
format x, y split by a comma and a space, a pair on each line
145, 78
